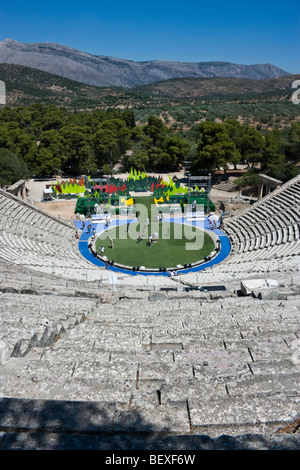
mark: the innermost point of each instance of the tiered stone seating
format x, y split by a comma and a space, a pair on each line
40, 322
35, 240
270, 222
31, 238
111, 365
184, 365
265, 237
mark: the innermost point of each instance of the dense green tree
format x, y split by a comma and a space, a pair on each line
215, 149
139, 139
121, 133
235, 132
54, 118
48, 138
228, 154
211, 133
293, 142
76, 146
4, 137
159, 159
129, 118
52, 140
156, 130
105, 147
252, 145
24, 144
276, 155
12, 168
178, 150
274, 150
47, 164
138, 159
207, 159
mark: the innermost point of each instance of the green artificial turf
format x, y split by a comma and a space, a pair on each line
169, 251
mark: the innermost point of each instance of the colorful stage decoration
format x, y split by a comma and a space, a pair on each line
110, 191
71, 187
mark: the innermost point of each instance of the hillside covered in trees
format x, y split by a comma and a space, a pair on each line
181, 103
42, 140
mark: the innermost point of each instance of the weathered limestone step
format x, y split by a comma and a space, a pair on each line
147, 356
55, 416
95, 417
192, 324
262, 346
269, 384
76, 352
159, 442
249, 347
192, 387
238, 415
212, 358
163, 372
34, 305
68, 380
117, 381
277, 365
171, 419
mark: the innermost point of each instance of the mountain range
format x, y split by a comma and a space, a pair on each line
26, 85
104, 71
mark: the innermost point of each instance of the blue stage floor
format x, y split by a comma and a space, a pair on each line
99, 227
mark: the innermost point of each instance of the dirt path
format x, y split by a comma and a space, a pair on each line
65, 210
60, 208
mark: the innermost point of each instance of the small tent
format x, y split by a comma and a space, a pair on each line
47, 194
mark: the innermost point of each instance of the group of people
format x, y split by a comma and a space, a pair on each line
89, 229
212, 224
160, 218
173, 273
152, 238
111, 246
213, 221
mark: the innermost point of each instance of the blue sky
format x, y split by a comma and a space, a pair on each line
189, 31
